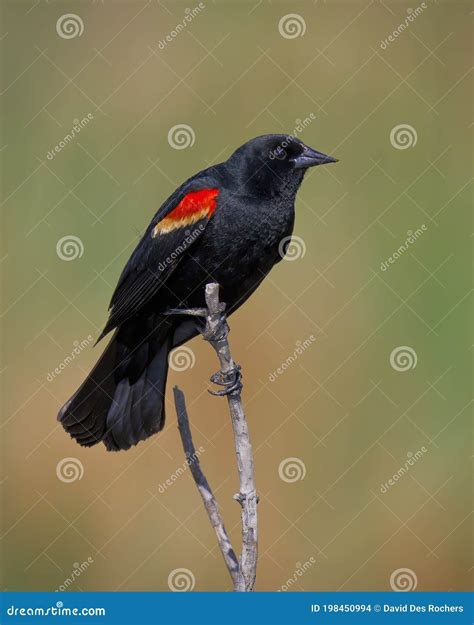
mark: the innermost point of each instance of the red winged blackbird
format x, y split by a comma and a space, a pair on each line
226, 224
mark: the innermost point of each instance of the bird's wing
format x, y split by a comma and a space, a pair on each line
174, 229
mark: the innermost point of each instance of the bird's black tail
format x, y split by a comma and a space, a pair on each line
122, 400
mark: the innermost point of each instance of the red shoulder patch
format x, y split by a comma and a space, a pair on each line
193, 207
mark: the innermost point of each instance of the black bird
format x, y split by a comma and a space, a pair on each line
224, 225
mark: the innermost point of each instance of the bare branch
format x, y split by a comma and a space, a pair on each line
216, 332
205, 491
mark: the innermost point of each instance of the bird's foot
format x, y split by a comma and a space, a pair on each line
230, 380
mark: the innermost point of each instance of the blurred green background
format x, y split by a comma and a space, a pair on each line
349, 418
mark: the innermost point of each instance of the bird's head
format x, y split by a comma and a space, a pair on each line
275, 164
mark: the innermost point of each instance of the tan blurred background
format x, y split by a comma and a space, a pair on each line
349, 418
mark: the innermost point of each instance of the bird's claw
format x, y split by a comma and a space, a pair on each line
231, 380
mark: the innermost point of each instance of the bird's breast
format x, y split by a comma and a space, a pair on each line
250, 233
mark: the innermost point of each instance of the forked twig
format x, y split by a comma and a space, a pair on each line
243, 571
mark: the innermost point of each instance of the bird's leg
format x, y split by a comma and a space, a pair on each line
229, 375
231, 380
214, 332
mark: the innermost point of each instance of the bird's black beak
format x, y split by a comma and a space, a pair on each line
310, 158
